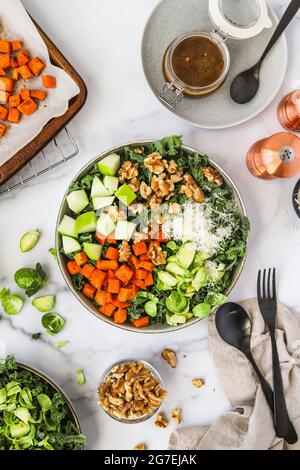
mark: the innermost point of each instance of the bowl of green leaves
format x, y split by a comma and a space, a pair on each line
35, 414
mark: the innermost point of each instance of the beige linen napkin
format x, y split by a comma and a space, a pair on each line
251, 428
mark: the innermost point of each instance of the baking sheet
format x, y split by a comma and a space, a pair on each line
15, 23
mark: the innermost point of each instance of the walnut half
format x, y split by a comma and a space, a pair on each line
161, 421
154, 163
140, 447
124, 251
198, 382
191, 189
176, 415
128, 171
212, 175
156, 254
170, 356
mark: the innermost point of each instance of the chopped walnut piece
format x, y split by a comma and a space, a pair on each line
176, 178
161, 421
139, 150
140, 447
170, 356
134, 184
130, 390
174, 208
128, 171
198, 383
139, 237
212, 175
154, 163
124, 251
176, 415
136, 208
154, 202
161, 186
171, 167
156, 254
191, 189
145, 190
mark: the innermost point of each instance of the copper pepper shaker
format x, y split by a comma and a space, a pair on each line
289, 111
277, 156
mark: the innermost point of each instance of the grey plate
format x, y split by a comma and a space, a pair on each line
170, 19
62, 260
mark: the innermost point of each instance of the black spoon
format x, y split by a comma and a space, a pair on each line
234, 327
245, 85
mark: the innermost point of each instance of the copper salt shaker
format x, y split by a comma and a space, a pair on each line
289, 111
277, 156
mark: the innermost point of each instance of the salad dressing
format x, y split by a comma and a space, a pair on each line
197, 61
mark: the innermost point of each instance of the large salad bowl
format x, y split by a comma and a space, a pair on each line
62, 260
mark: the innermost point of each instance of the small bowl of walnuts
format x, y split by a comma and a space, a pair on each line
131, 391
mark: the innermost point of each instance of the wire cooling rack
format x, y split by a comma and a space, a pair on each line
59, 150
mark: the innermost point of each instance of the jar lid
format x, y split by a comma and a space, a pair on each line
239, 19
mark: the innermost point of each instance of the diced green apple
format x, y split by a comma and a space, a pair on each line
70, 245
67, 227
110, 164
105, 225
100, 202
125, 194
92, 250
86, 222
98, 189
77, 201
111, 183
124, 230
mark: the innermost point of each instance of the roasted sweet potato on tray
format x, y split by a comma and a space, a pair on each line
17, 64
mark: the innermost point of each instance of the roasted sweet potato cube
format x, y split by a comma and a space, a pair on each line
2, 72
2, 130
5, 46
36, 66
14, 100
15, 74
14, 115
6, 84
25, 93
25, 72
23, 57
5, 61
16, 45
4, 96
38, 94
3, 113
49, 81
28, 107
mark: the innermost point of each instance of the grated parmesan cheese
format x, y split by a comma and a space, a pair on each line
195, 224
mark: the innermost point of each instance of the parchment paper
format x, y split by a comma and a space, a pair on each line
15, 23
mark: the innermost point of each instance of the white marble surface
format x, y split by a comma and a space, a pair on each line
102, 40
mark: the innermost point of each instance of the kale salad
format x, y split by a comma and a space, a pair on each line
152, 235
33, 415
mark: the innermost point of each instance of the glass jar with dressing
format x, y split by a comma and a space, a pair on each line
197, 63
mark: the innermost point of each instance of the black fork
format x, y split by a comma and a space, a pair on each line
266, 294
